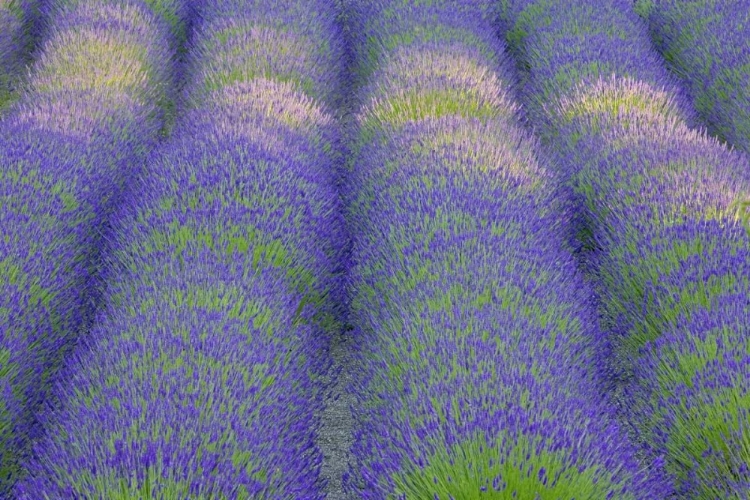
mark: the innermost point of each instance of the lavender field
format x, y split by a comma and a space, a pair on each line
375, 249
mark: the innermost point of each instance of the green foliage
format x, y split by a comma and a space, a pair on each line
415, 105
128, 488
466, 472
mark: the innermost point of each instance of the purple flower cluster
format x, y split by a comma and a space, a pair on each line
665, 232
706, 43
67, 147
475, 345
200, 378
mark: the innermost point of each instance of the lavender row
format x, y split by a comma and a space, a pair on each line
705, 42
474, 338
16, 18
663, 233
67, 147
201, 376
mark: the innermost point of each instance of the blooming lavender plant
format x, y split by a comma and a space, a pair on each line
705, 42
67, 145
664, 217
474, 338
611, 41
201, 376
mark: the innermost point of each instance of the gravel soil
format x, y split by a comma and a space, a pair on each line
335, 437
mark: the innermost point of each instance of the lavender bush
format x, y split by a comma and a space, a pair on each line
664, 226
201, 376
705, 42
67, 147
475, 345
